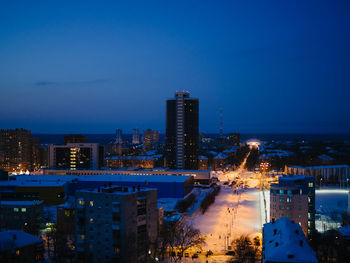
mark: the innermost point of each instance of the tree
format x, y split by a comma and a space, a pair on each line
183, 237
245, 249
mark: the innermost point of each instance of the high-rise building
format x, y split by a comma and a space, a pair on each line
150, 138
115, 224
75, 156
182, 136
18, 150
135, 136
294, 198
119, 136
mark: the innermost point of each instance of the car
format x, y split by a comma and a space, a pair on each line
194, 256
230, 253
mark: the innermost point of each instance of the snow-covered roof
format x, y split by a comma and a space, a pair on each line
201, 157
50, 179
231, 150
21, 203
11, 239
325, 157
284, 241
220, 156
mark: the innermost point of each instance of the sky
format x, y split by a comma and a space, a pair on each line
94, 66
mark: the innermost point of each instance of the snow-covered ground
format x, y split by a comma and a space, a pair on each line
230, 216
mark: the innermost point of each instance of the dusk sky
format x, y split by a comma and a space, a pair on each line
94, 66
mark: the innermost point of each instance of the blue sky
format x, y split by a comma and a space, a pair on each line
94, 66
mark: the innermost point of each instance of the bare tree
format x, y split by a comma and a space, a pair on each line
245, 249
183, 237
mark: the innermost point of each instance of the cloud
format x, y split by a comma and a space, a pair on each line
63, 83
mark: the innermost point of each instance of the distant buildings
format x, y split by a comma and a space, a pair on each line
75, 138
18, 150
17, 246
284, 241
150, 139
115, 224
182, 136
75, 156
294, 198
135, 136
325, 174
140, 161
119, 136
233, 139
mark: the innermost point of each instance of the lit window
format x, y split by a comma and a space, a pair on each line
16, 209
81, 202
82, 236
91, 220
311, 184
91, 203
24, 209
17, 252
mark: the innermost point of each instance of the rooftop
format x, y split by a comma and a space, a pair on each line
11, 239
284, 241
21, 203
115, 189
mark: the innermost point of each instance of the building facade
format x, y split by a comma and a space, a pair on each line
182, 135
150, 139
21, 215
135, 136
294, 198
18, 150
75, 156
115, 224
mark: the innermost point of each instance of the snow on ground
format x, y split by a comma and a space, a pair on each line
329, 205
229, 217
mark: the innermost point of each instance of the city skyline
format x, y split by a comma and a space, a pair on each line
89, 68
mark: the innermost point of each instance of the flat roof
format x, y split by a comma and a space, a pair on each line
116, 189
56, 180
21, 203
320, 166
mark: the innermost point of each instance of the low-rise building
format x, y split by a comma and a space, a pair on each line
115, 224
324, 174
200, 176
21, 215
284, 241
18, 246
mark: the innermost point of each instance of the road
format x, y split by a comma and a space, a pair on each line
236, 211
